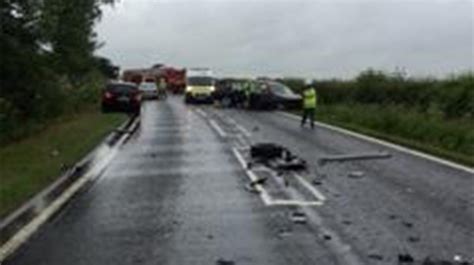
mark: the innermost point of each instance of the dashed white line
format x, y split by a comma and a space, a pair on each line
201, 112
312, 189
218, 129
263, 193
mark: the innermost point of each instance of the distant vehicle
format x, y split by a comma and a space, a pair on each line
200, 86
175, 78
273, 95
148, 90
121, 97
229, 92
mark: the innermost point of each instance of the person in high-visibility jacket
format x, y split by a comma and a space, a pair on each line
310, 99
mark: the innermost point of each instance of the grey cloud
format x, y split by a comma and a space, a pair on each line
292, 38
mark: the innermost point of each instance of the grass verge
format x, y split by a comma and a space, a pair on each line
450, 139
29, 165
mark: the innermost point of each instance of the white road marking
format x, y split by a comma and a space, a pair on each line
26, 232
387, 144
263, 193
201, 112
239, 127
311, 188
265, 196
216, 127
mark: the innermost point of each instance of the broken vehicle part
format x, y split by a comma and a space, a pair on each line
353, 157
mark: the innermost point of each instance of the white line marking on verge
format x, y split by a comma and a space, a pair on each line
387, 144
26, 232
216, 127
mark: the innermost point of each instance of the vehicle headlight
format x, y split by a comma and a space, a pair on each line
213, 88
188, 89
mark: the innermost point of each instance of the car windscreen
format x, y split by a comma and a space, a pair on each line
280, 89
147, 86
120, 88
200, 81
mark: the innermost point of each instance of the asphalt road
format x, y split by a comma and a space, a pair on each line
177, 194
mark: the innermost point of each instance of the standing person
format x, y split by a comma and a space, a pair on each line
162, 88
309, 105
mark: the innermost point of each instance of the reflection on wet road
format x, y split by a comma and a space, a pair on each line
175, 194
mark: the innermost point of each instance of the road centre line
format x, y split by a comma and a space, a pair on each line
263, 193
312, 189
201, 112
216, 127
386, 144
239, 127
265, 196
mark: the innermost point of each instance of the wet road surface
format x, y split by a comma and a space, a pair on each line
176, 194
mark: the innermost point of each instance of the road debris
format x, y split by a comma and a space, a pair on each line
327, 237
413, 239
347, 222
276, 157
375, 257
355, 174
221, 261
353, 157
298, 218
407, 224
405, 258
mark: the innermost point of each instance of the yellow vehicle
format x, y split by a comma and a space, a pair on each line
200, 87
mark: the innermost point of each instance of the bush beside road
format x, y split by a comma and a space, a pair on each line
432, 115
29, 165
453, 139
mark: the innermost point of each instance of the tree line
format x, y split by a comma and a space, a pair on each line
48, 67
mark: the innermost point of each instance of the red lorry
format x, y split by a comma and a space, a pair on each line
175, 78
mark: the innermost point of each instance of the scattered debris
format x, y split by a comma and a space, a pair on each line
276, 157
353, 157
284, 232
405, 258
298, 218
355, 174
255, 129
317, 182
210, 237
347, 222
392, 217
375, 257
457, 261
327, 237
225, 262
407, 224
260, 181
413, 239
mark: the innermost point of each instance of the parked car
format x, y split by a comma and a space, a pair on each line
148, 90
121, 97
273, 95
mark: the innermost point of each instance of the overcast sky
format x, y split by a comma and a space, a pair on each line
292, 38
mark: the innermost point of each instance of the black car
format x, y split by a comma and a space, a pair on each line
273, 95
121, 97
